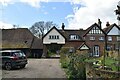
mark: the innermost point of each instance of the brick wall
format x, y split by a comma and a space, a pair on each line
92, 43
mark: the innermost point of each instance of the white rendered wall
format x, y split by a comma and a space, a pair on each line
61, 39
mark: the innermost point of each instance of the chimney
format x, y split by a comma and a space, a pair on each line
107, 24
63, 26
99, 23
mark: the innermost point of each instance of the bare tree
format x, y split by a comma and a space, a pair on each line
40, 28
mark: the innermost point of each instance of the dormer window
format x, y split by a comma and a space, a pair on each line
74, 37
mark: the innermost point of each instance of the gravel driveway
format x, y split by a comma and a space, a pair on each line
37, 68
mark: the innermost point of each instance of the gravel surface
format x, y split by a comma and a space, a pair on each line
37, 68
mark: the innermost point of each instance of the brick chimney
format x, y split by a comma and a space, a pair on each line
63, 26
107, 24
99, 23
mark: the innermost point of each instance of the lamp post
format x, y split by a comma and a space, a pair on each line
105, 49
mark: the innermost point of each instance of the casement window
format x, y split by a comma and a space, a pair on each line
118, 38
92, 38
101, 38
109, 38
53, 36
74, 37
57, 36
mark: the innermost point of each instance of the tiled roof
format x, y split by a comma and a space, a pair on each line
37, 43
107, 29
51, 30
68, 32
17, 38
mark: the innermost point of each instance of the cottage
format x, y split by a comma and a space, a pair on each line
57, 38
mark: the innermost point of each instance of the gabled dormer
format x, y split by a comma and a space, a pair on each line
94, 30
94, 33
74, 37
53, 36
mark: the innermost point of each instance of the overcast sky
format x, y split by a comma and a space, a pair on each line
75, 14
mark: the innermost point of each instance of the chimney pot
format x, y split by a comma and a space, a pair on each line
107, 24
99, 22
63, 26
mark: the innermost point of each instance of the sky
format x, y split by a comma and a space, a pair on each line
75, 14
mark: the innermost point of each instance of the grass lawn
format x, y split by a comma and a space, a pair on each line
110, 62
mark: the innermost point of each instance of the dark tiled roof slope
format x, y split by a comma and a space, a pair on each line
17, 38
37, 43
68, 32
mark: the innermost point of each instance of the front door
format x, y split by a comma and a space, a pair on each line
96, 50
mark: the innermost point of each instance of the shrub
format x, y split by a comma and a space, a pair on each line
64, 60
76, 68
74, 63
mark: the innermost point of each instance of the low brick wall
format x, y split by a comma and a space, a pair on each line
98, 73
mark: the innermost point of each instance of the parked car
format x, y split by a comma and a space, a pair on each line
12, 59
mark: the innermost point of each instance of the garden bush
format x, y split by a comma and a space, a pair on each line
74, 64
76, 68
64, 60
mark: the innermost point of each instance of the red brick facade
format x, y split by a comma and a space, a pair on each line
96, 42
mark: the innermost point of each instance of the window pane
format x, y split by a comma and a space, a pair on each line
101, 38
118, 38
109, 38
5, 54
50, 37
57, 37
92, 38
74, 37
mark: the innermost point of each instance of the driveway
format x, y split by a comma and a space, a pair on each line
37, 68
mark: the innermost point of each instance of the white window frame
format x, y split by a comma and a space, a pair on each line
101, 38
109, 38
74, 37
96, 51
92, 38
118, 38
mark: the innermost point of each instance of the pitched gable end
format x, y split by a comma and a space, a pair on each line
84, 47
114, 30
53, 36
94, 29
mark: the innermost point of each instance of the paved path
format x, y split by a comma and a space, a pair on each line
37, 68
